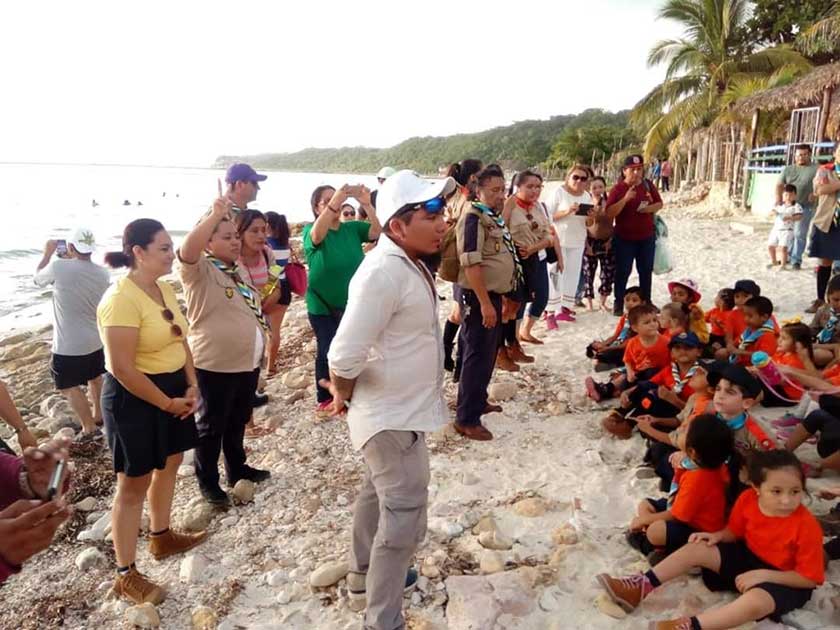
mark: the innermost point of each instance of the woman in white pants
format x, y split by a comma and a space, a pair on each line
571, 232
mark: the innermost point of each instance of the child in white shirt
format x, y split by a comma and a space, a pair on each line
781, 236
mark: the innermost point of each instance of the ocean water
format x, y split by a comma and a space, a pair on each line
44, 201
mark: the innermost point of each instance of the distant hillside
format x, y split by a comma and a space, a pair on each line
521, 145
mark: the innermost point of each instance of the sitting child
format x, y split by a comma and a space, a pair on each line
644, 355
759, 333
661, 396
686, 292
609, 353
826, 324
736, 392
673, 319
770, 552
781, 236
697, 498
717, 319
795, 350
743, 291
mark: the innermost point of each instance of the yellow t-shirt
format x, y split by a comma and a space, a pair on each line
159, 349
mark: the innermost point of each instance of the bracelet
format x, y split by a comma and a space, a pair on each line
332, 209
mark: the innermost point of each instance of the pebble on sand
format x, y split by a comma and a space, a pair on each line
328, 574
143, 616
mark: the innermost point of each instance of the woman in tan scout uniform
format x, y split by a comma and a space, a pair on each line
489, 271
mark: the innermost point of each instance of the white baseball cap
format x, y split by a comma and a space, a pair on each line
406, 187
385, 172
83, 240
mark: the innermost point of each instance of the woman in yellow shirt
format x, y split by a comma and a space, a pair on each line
148, 398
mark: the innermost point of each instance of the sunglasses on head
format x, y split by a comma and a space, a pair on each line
432, 205
170, 317
580, 178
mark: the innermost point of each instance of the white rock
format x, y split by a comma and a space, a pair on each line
444, 528
229, 521
90, 558
244, 490
276, 577
491, 562
284, 597
204, 618
86, 505
424, 584
328, 574
143, 616
494, 540
531, 508
98, 531
64, 433
566, 534
416, 598
197, 516
430, 571
502, 391
193, 569
296, 379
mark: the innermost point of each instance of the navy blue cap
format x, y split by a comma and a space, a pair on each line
243, 173
687, 339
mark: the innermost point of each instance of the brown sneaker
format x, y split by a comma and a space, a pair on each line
504, 362
170, 543
684, 623
815, 306
616, 425
624, 591
518, 355
478, 432
138, 588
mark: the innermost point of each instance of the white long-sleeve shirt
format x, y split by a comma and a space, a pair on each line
389, 340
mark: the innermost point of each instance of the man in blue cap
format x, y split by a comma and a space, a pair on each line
243, 184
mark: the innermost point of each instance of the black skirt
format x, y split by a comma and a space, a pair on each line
141, 436
825, 245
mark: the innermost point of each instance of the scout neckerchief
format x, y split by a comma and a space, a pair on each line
506, 237
735, 423
681, 381
827, 332
625, 332
750, 336
251, 297
687, 464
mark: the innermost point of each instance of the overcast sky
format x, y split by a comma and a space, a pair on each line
180, 82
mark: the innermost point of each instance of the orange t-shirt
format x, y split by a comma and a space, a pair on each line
619, 327
792, 359
666, 378
735, 324
702, 404
701, 499
766, 342
832, 374
789, 543
718, 319
640, 357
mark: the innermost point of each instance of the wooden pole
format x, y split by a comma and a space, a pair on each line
748, 148
822, 136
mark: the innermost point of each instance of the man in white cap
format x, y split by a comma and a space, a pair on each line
396, 396
77, 355
382, 176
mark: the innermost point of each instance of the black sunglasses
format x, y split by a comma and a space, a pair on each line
580, 178
170, 317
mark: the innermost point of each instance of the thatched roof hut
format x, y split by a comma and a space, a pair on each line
817, 88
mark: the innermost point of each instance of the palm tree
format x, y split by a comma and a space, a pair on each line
824, 35
712, 57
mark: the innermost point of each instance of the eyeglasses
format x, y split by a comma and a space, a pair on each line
169, 316
580, 178
348, 213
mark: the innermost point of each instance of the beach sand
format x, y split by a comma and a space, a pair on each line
559, 489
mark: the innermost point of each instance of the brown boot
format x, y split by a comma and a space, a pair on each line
138, 588
170, 543
518, 355
504, 362
615, 424
684, 623
478, 432
627, 591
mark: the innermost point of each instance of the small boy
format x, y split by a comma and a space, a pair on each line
717, 318
781, 236
826, 325
644, 355
609, 353
736, 391
734, 326
673, 319
760, 333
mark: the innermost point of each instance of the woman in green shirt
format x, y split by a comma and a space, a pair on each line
333, 251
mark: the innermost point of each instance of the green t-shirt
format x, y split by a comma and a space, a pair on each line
803, 178
332, 264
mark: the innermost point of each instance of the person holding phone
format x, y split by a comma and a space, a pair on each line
632, 202
334, 251
149, 397
568, 209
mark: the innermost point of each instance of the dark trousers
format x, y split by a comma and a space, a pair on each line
626, 252
645, 400
477, 346
828, 427
228, 400
590, 264
324, 327
538, 289
666, 183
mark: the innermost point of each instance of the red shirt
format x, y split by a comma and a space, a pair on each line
767, 342
630, 224
666, 377
789, 543
640, 357
701, 498
735, 324
718, 319
792, 359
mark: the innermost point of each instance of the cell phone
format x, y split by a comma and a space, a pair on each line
54, 488
584, 209
61, 248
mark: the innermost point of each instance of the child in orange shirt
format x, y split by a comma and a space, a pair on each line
795, 350
697, 497
770, 552
743, 291
644, 355
609, 353
759, 334
686, 292
718, 318
673, 319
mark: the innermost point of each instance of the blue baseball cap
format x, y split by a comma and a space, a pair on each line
687, 339
243, 173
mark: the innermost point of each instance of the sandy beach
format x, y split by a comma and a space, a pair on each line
552, 486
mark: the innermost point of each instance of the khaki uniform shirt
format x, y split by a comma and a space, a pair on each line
480, 242
527, 232
455, 206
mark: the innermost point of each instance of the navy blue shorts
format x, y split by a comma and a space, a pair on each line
676, 532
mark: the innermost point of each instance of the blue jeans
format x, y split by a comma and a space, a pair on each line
642, 252
800, 234
324, 327
540, 290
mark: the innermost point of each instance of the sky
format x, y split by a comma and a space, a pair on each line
180, 82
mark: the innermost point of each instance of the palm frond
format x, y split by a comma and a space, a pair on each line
823, 35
